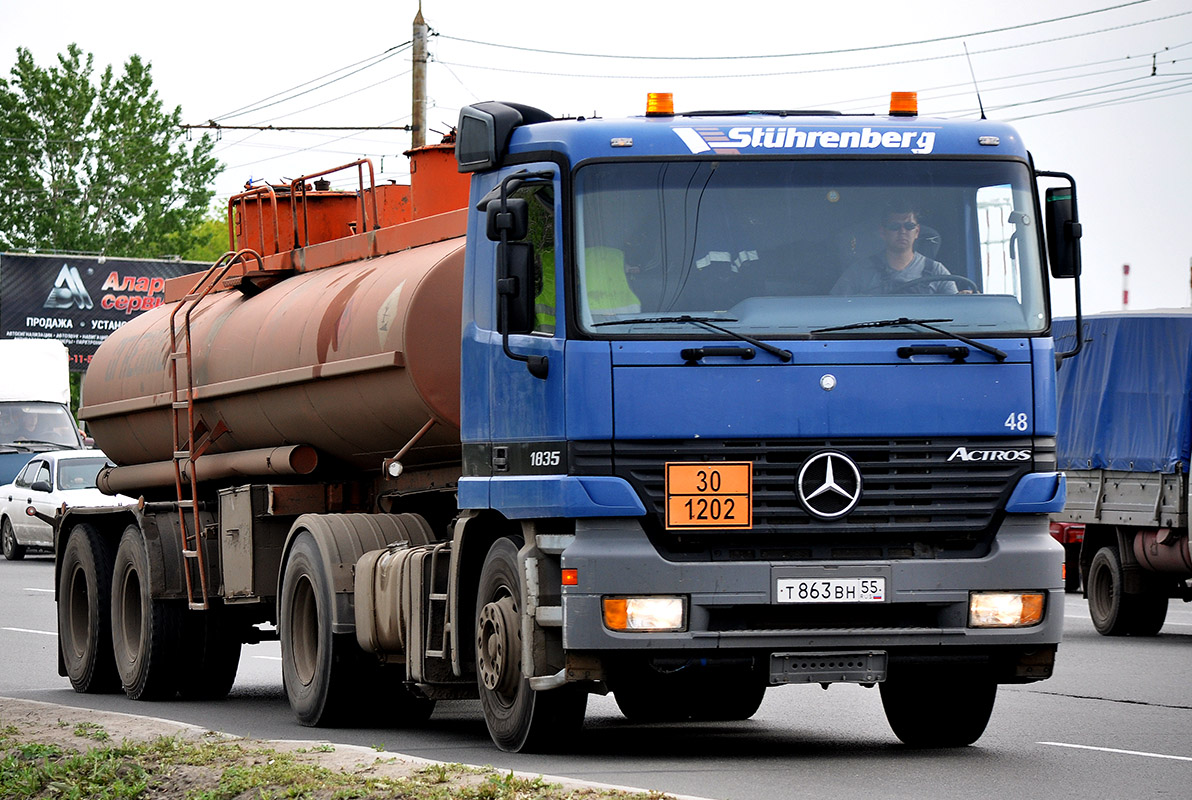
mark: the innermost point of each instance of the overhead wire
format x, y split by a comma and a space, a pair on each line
936, 40
823, 70
369, 62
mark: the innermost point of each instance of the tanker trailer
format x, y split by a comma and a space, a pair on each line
251, 415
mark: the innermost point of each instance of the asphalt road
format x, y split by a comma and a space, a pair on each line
1115, 721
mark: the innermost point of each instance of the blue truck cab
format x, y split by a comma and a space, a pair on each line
756, 447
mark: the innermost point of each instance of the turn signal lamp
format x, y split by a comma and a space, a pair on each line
660, 104
1005, 609
904, 104
633, 614
570, 577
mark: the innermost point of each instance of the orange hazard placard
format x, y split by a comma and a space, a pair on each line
709, 495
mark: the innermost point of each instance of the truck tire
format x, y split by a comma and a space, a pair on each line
84, 611
938, 711
702, 694
731, 700
519, 719
1072, 567
146, 633
8, 538
210, 655
317, 665
1113, 611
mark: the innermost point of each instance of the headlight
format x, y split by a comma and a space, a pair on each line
1005, 609
644, 613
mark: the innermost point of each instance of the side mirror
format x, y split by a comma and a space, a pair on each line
515, 290
40, 486
1063, 232
513, 221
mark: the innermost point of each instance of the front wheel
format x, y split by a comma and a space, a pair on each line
519, 719
938, 711
8, 537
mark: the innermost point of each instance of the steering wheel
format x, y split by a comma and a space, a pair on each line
901, 288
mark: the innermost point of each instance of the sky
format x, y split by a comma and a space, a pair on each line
1101, 89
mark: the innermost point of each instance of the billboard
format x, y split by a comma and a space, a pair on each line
79, 300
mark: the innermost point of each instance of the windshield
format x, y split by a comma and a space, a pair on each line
791, 248
79, 473
37, 426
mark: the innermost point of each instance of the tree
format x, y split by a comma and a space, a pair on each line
97, 168
208, 239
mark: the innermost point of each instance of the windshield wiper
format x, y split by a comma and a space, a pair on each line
27, 442
708, 322
922, 323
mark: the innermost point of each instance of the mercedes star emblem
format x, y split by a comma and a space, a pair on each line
829, 484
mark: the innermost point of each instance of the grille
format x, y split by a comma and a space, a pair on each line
912, 493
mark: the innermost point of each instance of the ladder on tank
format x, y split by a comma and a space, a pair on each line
191, 438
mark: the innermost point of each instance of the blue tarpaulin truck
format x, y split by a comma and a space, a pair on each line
679, 407
1125, 428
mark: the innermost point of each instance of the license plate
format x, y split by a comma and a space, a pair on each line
831, 590
716, 494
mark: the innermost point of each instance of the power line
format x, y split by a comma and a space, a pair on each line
221, 127
799, 55
345, 95
261, 105
820, 70
254, 106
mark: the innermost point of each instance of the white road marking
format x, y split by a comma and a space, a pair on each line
1115, 750
26, 630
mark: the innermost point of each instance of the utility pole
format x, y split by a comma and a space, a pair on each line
418, 117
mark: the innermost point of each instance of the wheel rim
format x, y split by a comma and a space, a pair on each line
131, 615
8, 538
304, 630
79, 610
496, 647
1100, 591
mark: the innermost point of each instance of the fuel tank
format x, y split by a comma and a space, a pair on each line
352, 360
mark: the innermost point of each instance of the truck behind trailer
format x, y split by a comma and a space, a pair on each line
584, 409
34, 402
1125, 431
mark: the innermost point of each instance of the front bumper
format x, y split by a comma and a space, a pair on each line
732, 606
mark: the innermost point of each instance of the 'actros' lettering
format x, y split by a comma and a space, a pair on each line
964, 454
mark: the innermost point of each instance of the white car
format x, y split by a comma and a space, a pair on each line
47, 482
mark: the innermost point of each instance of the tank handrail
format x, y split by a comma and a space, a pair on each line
298, 186
241, 198
191, 540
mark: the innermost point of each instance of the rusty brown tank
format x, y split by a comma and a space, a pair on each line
349, 346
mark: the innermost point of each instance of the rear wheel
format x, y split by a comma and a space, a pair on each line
8, 539
146, 633
210, 655
1113, 611
938, 711
519, 719
84, 611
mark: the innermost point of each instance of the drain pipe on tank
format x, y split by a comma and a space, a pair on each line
392, 466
